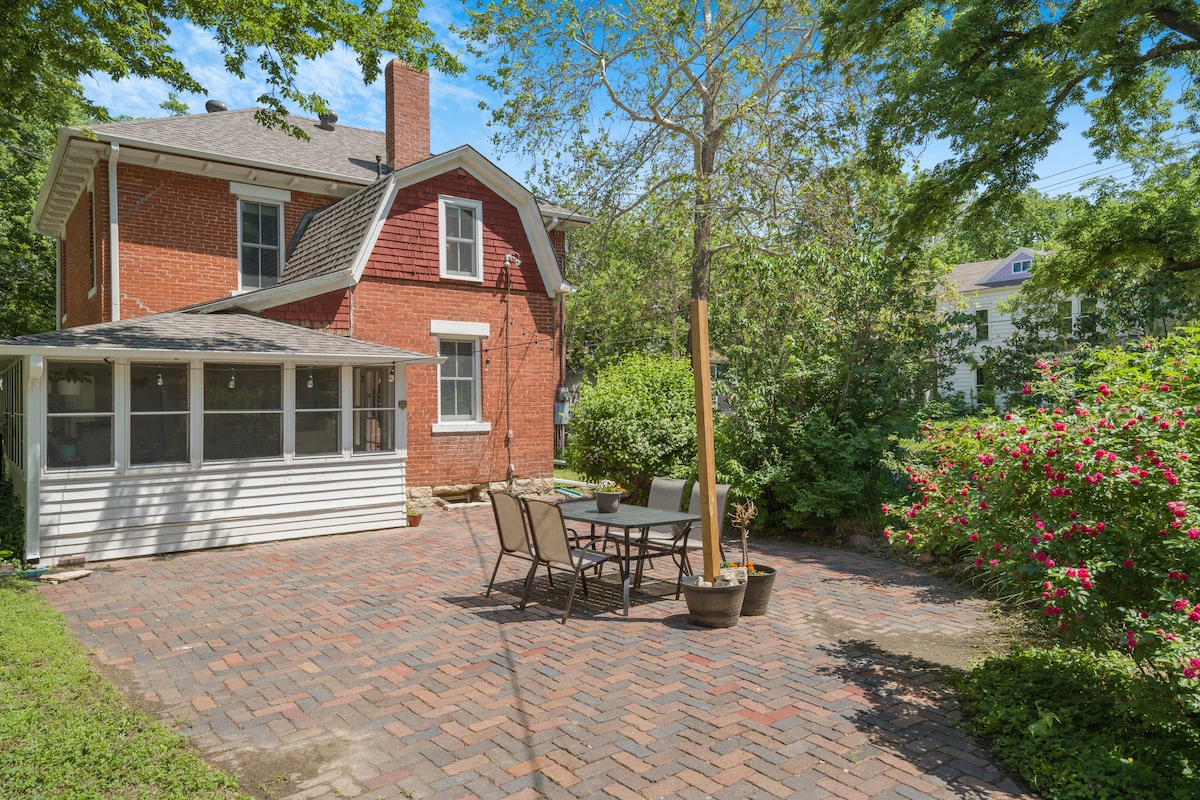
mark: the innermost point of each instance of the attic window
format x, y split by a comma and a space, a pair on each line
1020, 267
460, 227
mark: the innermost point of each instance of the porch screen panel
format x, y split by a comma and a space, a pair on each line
79, 418
12, 390
158, 410
243, 411
318, 411
374, 409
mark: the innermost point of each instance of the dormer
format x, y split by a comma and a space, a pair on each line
1013, 269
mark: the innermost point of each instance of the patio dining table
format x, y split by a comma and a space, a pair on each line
628, 518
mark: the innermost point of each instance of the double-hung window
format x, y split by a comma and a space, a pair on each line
460, 231
243, 411
158, 413
981, 325
460, 393
79, 418
260, 231
1066, 319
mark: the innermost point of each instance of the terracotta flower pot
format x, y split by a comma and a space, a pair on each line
414, 520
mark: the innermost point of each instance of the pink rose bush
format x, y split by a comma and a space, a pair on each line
1089, 505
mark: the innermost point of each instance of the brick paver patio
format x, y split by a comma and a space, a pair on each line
372, 665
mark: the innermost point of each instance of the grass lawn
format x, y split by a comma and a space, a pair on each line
562, 473
65, 732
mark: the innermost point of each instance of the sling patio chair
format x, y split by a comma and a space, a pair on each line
552, 547
680, 539
514, 535
666, 494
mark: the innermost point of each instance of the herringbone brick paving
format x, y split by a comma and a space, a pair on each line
371, 665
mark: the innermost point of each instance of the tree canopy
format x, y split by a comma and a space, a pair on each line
50, 44
995, 80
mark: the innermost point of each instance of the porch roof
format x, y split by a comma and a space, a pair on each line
226, 337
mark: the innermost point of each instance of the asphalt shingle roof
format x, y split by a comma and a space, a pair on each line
238, 137
333, 237
211, 333
967, 277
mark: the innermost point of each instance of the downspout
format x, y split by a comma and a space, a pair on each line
114, 239
510, 260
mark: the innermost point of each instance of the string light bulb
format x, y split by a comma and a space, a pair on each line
232, 378
159, 381
310, 380
392, 374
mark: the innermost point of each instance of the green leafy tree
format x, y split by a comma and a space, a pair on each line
51, 44
828, 352
637, 421
710, 107
173, 105
995, 80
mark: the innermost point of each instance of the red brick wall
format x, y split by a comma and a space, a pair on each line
77, 263
408, 244
398, 312
178, 242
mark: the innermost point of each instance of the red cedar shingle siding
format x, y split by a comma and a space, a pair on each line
408, 244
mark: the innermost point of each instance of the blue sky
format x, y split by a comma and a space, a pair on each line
456, 118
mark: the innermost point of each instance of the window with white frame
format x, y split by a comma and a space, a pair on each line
458, 380
159, 415
981, 325
374, 409
1065, 318
460, 227
1022, 266
243, 411
260, 231
318, 411
79, 415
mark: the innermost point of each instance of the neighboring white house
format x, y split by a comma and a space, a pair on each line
983, 285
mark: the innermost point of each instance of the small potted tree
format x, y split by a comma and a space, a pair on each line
760, 579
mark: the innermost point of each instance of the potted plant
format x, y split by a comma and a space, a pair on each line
717, 604
608, 496
69, 382
414, 518
760, 579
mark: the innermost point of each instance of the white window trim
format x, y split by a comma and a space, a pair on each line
456, 331
1028, 262
461, 330
248, 191
477, 207
261, 201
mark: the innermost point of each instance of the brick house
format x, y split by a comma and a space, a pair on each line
293, 337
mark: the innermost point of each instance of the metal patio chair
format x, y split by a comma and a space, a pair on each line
552, 547
514, 535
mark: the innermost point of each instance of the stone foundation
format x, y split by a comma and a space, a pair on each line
421, 498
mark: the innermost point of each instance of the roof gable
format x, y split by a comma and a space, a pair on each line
335, 246
976, 275
1003, 274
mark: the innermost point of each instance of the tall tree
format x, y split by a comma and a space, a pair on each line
995, 80
50, 44
710, 105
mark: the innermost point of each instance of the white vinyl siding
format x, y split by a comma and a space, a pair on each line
144, 513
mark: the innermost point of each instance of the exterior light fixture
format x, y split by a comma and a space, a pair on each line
232, 378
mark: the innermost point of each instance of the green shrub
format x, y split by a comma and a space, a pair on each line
1075, 725
12, 521
1089, 506
637, 421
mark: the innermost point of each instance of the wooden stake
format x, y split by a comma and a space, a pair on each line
710, 525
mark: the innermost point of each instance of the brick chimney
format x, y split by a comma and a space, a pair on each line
407, 114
